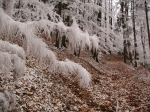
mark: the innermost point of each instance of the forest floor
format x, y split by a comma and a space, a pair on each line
116, 87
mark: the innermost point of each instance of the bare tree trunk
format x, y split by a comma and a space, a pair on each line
19, 3
63, 43
75, 53
57, 32
146, 11
143, 45
99, 17
59, 8
124, 35
130, 53
128, 44
79, 51
134, 32
105, 24
57, 39
95, 55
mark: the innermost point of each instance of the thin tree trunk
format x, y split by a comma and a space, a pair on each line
59, 8
79, 51
19, 4
146, 11
105, 25
143, 45
57, 39
123, 27
63, 43
95, 55
134, 32
128, 44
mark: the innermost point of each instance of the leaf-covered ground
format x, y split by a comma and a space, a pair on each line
115, 87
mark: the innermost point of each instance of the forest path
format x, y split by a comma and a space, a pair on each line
115, 85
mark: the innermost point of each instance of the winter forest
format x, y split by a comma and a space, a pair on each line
74, 55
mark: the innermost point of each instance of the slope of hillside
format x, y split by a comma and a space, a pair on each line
37, 27
115, 87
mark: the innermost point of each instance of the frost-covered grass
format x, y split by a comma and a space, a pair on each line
6, 99
36, 48
12, 62
68, 67
12, 48
12, 58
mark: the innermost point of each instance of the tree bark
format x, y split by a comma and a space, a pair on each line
95, 55
146, 12
124, 35
57, 39
19, 4
128, 44
143, 45
59, 8
134, 32
63, 43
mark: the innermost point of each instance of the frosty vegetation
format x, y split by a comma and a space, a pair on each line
12, 58
34, 46
6, 100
